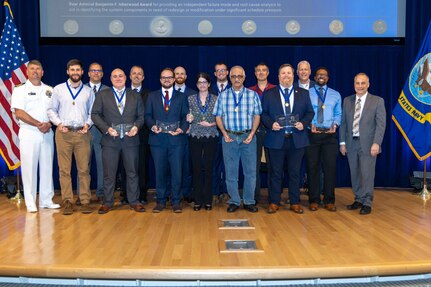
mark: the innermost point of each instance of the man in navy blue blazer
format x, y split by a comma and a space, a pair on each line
167, 106
286, 143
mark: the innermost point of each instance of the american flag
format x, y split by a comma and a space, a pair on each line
13, 67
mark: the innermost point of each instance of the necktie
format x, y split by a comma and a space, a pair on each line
179, 89
320, 107
95, 89
166, 105
287, 104
221, 87
356, 117
136, 90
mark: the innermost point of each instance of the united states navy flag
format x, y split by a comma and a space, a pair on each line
412, 114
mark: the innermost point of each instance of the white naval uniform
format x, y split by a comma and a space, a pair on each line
35, 146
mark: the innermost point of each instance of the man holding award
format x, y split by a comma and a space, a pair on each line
323, 149
287, 112
119, 113
165, 114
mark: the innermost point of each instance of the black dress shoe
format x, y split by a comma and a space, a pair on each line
232, 207
365, 209
197, 207
354, 205
208, 207
250, 207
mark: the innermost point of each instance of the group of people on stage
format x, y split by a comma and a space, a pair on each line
221, 122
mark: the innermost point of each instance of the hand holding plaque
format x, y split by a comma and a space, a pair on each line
325, 126
167, 127
122, 129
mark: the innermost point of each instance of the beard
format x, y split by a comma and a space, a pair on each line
75, 78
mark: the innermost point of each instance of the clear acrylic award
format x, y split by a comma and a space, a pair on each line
167, 127
122, 129
288, 120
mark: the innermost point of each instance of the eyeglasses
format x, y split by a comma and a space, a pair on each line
237, 77
202, 83
166, 78
96, 71
221, 70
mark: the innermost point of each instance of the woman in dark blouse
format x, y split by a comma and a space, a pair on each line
203, 140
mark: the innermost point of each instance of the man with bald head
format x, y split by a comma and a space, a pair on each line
118, 112
237, 112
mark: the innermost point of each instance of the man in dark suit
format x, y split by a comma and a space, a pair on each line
361, 134
95, 74
164, 107
113, 107
137, 77
286, 143
186, 181
219, 188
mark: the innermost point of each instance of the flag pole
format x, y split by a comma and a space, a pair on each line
18, 197
425, 194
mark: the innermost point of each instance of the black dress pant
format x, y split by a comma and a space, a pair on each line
202, 151
322, 153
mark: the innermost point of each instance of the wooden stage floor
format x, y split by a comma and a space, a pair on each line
393, 240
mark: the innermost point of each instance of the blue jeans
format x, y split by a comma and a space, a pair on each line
233, 152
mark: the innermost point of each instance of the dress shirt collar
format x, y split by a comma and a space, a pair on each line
72, 84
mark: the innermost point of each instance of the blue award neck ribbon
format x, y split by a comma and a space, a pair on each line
71, 93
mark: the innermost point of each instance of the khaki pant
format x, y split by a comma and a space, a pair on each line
79, 145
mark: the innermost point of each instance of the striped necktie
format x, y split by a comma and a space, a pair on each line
356, 118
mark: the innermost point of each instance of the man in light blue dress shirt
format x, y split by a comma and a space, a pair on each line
323, 149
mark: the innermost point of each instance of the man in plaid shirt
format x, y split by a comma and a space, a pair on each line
237, 112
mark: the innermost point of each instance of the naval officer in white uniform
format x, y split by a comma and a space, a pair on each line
30, 102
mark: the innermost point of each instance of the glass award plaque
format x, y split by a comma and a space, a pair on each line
73, 125
288, 120
325, 126
122, 129
167, 127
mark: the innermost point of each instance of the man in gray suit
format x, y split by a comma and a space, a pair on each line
361, 134
112, 108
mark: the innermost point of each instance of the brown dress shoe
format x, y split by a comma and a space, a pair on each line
104, 209
86, 209
313, 206
138, 207
273, 208
68, 208
330, 207
296, 208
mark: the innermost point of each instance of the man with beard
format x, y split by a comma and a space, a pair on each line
180, 82
237, 112
287, 112
165, 114
186, 182
323, 149
119, 113
219, 176
70, 112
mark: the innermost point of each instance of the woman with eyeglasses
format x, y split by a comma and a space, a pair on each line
203, 140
